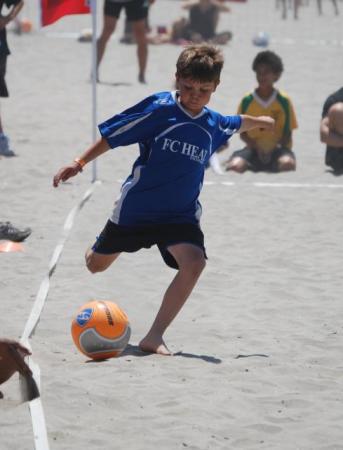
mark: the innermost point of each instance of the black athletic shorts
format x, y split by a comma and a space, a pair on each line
117, 238
3, 85
256, 165
135, 9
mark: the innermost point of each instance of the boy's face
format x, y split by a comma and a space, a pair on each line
194, 95
265, 76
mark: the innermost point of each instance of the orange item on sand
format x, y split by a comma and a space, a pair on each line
10, 246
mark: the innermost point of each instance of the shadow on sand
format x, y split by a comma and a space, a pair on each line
115, 84
134, 350
206, 358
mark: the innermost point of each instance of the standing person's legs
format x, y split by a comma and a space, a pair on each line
140, 33
137, 13
296, 8
284, 9
111, 14
191, 262
3, 87
319, 6
4, 141
335, 5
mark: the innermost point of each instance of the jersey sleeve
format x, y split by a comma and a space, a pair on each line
228, 125
134, 125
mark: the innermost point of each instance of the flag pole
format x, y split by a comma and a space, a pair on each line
94, 83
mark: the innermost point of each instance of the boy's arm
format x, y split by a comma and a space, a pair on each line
100, 147
251, 122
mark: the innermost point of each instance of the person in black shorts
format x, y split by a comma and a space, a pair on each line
136, 12
331, 131
14, 6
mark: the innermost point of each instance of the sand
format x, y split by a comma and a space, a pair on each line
272, 287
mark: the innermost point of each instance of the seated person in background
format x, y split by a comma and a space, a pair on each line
203, 21
269, 151
331, 130
200, 26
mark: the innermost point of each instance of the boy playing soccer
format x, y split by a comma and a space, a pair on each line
266, 150
159, 203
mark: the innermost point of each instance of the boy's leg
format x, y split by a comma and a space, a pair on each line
283, 160
98, 262
237, 164
191, 262
242, 160
286, 163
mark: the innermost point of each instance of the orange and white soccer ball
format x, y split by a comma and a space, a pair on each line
101, 329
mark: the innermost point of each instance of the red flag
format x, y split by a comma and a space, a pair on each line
53, 10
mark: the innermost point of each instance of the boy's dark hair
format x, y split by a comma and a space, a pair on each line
200, 62
270, 59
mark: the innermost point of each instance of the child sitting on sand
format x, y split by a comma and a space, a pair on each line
177, 134
200, 26
266, 150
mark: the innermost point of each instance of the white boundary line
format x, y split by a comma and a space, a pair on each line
36, 406
261, 184
284, 41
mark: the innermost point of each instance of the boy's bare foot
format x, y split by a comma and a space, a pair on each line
154, 344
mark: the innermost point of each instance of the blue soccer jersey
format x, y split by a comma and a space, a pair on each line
167, 177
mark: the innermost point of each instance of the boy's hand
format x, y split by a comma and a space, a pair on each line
261, 122
66, 172
12, 355
267, 123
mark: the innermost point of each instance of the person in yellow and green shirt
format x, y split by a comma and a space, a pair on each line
266, 150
